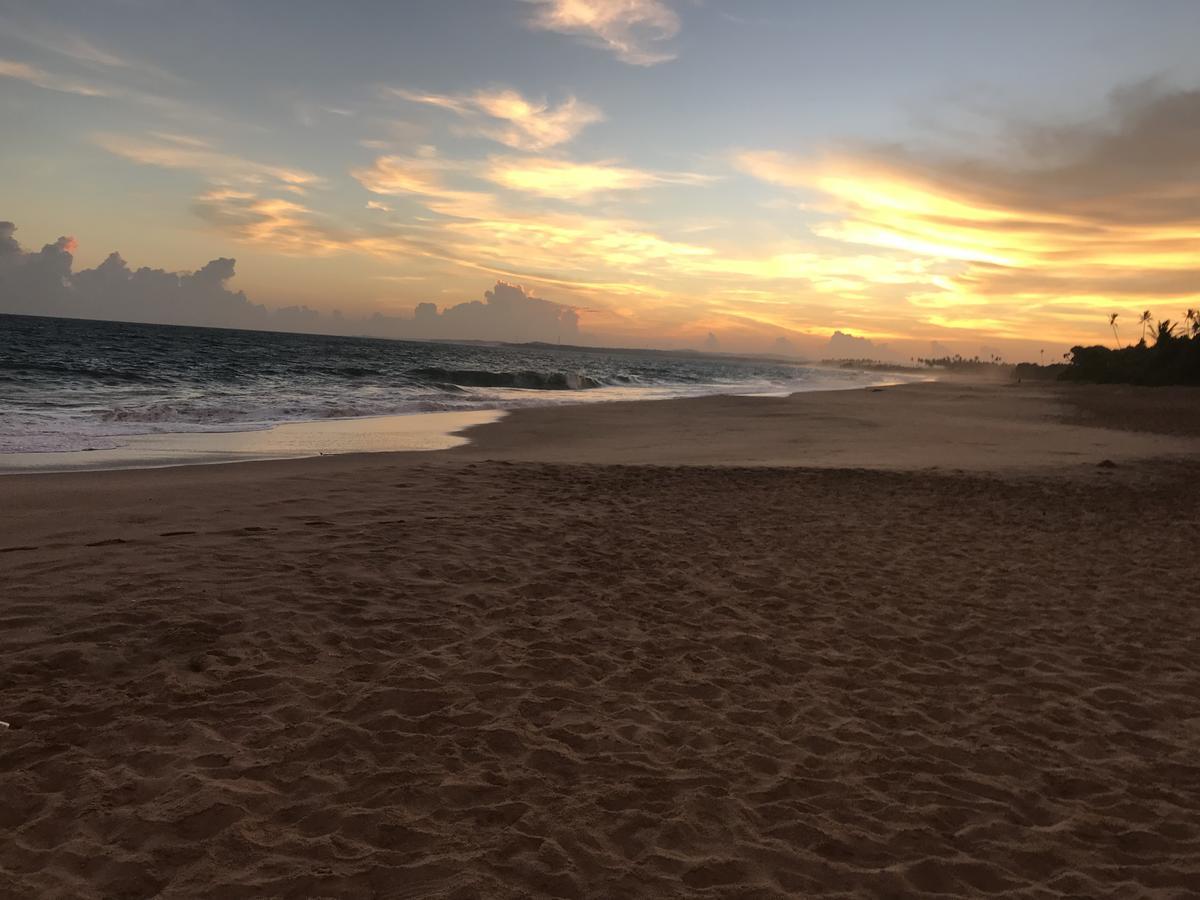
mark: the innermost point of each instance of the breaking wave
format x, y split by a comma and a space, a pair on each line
71, 384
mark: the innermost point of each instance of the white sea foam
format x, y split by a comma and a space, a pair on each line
69, 385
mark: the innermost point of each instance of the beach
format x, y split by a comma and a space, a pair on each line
933, 639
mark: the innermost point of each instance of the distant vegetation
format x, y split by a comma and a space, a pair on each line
974, 365
1166, 353
868, 365
949, 363
1172, 358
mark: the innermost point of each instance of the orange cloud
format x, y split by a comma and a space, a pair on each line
633, 30
891, 245
1100, 216
565, 180
505, 116
424, 177
281, 225
170, 151
10, 68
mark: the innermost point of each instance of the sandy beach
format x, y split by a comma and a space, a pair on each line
931, 640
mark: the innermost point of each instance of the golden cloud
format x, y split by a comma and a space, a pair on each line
1078, 219
424, 177
633, 30
170, 151
10, 68
505, 116
565, 180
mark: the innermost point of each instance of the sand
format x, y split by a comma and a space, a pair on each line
948, 426
293, 440
516, 669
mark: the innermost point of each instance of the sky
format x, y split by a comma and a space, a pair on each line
923, 177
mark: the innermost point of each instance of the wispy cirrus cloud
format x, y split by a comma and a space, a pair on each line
103, 86
425, 177
611, 260
580, 182
11, 68
65, 42
506, 116
635, 31
283, 225
585, 250
439, 182
1075, 218
173, 151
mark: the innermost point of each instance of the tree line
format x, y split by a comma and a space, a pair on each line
1166, 353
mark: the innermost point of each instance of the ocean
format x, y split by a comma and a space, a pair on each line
73, 384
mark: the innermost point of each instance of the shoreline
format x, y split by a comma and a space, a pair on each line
931, 428
829, 427
405, 433
384, 433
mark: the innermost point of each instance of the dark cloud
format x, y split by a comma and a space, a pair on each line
506, 313
1138, 164
843, 345
1150, 139
1123, 285
42, 283
30, 280
784, 346
1071, 211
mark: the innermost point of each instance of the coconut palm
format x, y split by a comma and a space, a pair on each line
1146, 320
1112, 323
1193, 322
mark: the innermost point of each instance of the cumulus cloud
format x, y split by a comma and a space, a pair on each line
843, 345
505, 116
43, 283
633, 30
508, 312
784, 346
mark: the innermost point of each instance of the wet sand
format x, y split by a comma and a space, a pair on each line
293, 440
911, 642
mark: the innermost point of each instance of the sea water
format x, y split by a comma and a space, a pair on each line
73, 384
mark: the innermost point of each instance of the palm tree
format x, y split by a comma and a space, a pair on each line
1193, 319
1166, 332
1112, 323
1145, 319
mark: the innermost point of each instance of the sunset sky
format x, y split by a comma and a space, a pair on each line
994, 177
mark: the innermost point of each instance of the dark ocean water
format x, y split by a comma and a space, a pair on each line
71, 384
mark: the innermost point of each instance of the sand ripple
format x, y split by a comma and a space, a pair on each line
524, 680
